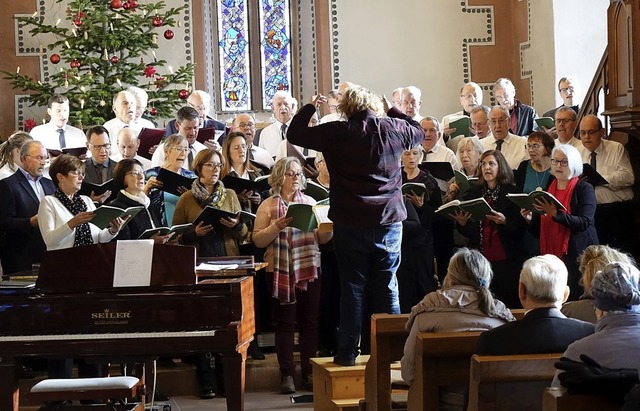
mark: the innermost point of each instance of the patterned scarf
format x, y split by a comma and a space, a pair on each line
202, 196
295, 255
76, 206
554, 237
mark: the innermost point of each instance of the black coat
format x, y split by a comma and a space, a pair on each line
141, 222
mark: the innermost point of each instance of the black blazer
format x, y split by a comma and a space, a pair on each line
526, 116
580, 221
542, 330
90, 175
18, 203
139, 223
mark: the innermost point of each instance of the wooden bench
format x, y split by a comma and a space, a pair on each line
510, 382
388, 335
441, 359
113, 391
557, 399
336, 387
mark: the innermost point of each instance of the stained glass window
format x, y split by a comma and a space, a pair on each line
239, 40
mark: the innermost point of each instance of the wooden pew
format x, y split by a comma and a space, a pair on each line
441, 359
558, 399
518, 313
510, 382
388, 335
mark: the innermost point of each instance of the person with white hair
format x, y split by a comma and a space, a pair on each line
142, 98
283, 106
410, 102
544, 329
521, 116
124, 107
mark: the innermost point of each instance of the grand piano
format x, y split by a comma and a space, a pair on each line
74, 311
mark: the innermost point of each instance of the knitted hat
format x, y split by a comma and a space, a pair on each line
615, 288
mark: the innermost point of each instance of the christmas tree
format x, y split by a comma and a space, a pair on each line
108, 46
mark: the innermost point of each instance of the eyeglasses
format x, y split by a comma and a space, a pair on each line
567, 89
468, 96
181, 149
292, 174
246, 125
564, 120
532, 146
589, 132
213, 166
39, 159
136, 174
563, 163
101, 147
497, 121
333, 106
77, 173
476, 125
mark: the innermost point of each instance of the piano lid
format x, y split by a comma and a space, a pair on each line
91, 267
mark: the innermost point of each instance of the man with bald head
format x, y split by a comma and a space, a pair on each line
124, 107
246, 124
614, 210
511, 145
283, 107
470, 97
128, 144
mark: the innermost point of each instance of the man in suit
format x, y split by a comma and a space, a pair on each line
20, 196
544, 329
99, 168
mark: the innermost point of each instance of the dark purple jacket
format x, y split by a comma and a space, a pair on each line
363, 157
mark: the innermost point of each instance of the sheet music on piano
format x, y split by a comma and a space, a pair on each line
133, 263
214, 266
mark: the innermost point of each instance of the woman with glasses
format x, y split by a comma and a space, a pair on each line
65, 217
294, 260
566, 233
237, 164
535, 174
210, 241
128, 180
176, 152
499, 235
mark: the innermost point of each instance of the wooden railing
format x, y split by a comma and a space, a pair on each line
599, 86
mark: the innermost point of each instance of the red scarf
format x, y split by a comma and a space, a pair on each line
554, 237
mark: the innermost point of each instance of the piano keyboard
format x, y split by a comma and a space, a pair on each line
106, 336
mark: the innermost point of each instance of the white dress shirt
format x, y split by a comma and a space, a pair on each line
157, 159
441, 154
573, 142
262, 156
114, 126
513, 149
270, 137
612, 162
282, 150
146, 163
49, 136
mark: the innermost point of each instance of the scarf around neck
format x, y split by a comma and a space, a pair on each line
76, 205
202, 196
554, 237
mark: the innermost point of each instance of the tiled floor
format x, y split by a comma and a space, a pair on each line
253, 401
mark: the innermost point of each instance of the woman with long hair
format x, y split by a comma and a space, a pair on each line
10, 153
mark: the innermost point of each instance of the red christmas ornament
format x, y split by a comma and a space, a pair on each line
126, 5
115, 59
149, 71
55, 58
116, 4
168, 34
153, 111
132, 5
75, 64
157, 21
183, 94
77, 22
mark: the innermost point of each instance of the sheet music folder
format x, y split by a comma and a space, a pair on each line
91, 267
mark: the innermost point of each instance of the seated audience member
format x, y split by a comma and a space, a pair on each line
57, 133
10, 153
65, 216
470, 97
566, 233
99, 168
187, 123
283, 107
499, 235
617, 334
480, 121
521, 116
128, 180
294, 260
592, 260
569, 90
566, 123
20, 196
246, 124
512, 146
464, 303
128, 144
142, 98
544, 329
175, 149
200, 101
411, 102
124, 107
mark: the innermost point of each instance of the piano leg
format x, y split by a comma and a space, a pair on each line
9, 392
234, 376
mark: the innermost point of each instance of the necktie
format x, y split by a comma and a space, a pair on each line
190, 156
283, 132
424, 158
499, 145
63, 143
99, 168
305, 151
592, 162
251, 153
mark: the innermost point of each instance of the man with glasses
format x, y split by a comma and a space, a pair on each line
411, 101
245, 123
99, 168
521, 116
187, 124
480, 121
470, 97
569, 91
200, 100
57, 133
566, 122
20, 196
512, 146
614, 211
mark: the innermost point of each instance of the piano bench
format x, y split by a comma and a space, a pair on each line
111, 390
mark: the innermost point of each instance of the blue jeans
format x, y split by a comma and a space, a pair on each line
367, 262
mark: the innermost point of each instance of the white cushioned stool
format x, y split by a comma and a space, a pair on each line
113, 391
